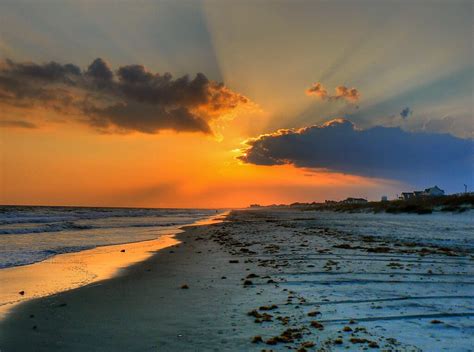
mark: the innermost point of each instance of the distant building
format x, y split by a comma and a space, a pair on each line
384, 199
330, 202
355, 201
428, 192
434, 192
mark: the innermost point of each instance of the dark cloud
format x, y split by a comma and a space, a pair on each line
383, 152
134, 74
342, 93
98, 70
17, 123
406, 112
49, 72
147, 118
131, 99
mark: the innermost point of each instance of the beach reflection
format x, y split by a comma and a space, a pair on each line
72, 270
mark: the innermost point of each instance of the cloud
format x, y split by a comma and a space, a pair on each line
129, 99
406, 112
317, 90
17, 124
146, 118
382, 152
99, 71
341, 93
458, 124
52, 71
349, 94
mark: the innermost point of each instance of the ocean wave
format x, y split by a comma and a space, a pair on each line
32, 257
18, 214
55, 227
33, 234
71, 226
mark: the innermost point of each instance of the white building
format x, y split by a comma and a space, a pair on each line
428, 192
434, 192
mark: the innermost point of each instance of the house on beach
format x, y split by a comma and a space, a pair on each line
434, 192
428, 192
351, 200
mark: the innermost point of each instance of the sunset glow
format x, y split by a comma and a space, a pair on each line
119, 106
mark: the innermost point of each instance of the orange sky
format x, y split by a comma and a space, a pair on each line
72, 165
270, 52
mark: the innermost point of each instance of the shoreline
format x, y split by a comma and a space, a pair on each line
262, 280
67, 271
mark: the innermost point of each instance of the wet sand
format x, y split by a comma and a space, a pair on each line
68, 271
263, 281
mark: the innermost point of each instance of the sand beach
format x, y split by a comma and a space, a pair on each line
263, 280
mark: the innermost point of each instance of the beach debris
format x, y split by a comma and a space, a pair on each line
289, 335
254, 313
307, 344
257, 339
317, 325
122, 251
435, 321
392, 341
260, 317
223, 277
373, 344
184, 287
395, 265
248, 283
284, 320
252, 276
290, 259
360, 329
314, 313
359, 340
271, 341
343, 246
21, 293
233, 261
271, 307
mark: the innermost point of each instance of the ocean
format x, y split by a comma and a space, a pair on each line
30, 234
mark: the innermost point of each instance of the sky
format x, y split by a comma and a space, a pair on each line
229, 103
